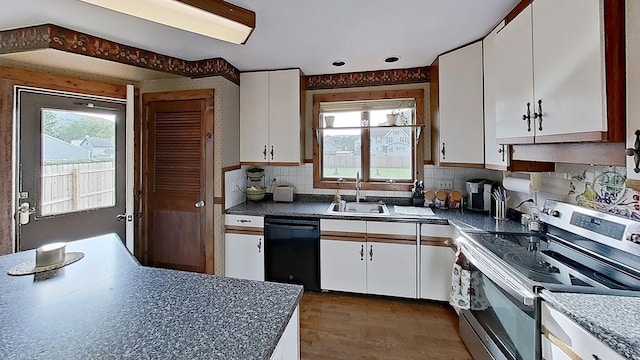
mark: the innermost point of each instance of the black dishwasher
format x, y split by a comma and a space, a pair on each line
292, 251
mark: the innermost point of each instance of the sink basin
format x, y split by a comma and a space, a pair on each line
359, 209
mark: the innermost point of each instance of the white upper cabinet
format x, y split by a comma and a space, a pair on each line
495, 156
461, 106
551, 84
633, 86
270, 117
514, 80
568, 67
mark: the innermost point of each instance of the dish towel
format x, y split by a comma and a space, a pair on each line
466, 286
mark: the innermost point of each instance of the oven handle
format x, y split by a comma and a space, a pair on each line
503, 280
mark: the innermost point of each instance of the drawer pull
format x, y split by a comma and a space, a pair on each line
243, 221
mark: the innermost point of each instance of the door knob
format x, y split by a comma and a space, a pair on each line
121, 217
199, 204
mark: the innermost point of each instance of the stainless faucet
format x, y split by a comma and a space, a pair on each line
358, 185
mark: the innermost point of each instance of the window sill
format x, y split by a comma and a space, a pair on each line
350, 185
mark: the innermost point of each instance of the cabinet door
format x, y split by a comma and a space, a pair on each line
568, 60
514, 80
343, 266
391, 269
254, 117
495, 156
284, 116
633, 82
461, 106
436, 263
244, 256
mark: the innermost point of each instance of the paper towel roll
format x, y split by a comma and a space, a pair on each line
516, 184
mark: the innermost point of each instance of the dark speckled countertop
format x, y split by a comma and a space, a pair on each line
317, 208
612, 319
107, 306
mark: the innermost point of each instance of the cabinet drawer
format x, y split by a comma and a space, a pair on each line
436, 235
571, 337
345, 226
247, 221
406, 230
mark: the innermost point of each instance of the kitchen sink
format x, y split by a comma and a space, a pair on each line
359, 209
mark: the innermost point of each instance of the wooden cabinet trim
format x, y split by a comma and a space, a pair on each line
243, 230
435, 241
342, 236
452, 164
390, 239
573, 153
633, 184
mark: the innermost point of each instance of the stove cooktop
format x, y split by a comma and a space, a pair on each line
530, 256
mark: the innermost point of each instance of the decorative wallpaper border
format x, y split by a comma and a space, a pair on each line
368, 78
50, 36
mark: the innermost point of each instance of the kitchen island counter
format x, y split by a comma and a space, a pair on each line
108, 306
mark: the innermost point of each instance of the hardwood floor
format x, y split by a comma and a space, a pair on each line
345, 326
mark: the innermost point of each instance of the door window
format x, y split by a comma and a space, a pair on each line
77, 161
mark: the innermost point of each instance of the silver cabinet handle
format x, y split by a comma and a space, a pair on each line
260, 245
243, 221
199, 204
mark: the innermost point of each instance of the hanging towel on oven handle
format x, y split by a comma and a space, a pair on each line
466, 285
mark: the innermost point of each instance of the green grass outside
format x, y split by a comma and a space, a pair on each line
382, 173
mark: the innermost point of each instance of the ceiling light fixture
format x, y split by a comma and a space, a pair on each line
338, 63
213, 18
392, 59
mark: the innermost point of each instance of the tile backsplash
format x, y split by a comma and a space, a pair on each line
598, 187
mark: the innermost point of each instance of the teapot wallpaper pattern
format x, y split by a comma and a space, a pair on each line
604, 189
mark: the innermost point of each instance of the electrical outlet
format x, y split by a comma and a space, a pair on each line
445, 184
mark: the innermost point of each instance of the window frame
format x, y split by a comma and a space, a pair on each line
367, 183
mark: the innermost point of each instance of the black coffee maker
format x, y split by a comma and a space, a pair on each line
479, 195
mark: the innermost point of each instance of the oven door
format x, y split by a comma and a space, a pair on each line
502, 321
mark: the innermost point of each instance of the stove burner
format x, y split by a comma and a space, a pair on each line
499, 241
531, 263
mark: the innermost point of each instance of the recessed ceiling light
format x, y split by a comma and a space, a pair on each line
391, 59
337, 63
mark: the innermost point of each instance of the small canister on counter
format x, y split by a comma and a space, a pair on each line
455, 199
429, 198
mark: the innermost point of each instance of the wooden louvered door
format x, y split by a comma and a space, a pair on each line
177, 177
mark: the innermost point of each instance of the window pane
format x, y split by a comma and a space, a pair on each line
341, 148
78, 161
390, 153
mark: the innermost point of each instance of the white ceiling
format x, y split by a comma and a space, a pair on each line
306, 34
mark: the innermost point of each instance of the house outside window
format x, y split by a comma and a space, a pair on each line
361, 139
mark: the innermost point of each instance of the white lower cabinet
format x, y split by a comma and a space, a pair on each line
391, 269
562, 338
436, 261
244, 256
244, 247
435, 272
343, 266
288, 347
368, 257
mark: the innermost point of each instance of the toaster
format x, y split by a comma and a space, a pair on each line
283, 193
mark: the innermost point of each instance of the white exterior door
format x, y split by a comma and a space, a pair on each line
514, 81
244, 256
